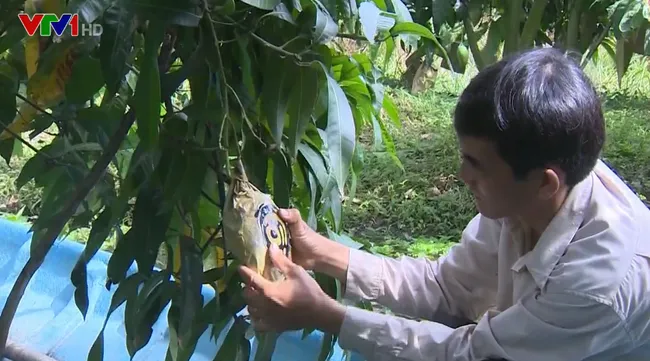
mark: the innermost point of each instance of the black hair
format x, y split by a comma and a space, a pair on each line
540, 109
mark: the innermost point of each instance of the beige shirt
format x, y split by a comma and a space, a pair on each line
582, 293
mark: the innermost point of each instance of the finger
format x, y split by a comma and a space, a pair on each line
251, 297
252, 311
290, 215
260, 325
279, 259
253, 279
255, 299
255, 313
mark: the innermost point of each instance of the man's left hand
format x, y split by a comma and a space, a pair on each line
295, 303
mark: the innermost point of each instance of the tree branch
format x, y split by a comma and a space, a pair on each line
20, 139
274, 47
351, 36
23, 98
212, 237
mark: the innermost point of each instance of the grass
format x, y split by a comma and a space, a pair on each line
423, 210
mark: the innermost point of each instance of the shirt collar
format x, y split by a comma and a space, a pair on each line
553, 242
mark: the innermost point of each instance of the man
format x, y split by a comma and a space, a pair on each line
556, 266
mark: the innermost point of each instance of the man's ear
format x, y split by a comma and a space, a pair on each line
551, 182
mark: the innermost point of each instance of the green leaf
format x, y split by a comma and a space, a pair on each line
147, 92
391, 111
235, 346
371, 20
282, 180
390, 48
14, 34
316, 163
417, 29
381, 4
387, 139
442, 11
356, 89
172, 168
150, 223
184, 13
313, 191
256, 163
306, 332
301, 105
334, 204
7, 147
197, 167
121, 259
262, 4
247, 65
85, 81
281, 11
633, 16
357, 165
35, 166
213, 275
404, 15
41, 123
624, 55
191, 281
172, 80
266, 345
329, 285
341, 133
9, 86
99, 122
98, 234
275, 93
127, 289
88, 10
364, 62
177, 351
143, 310
327, 347
115, 46
325, 28
61, 183
344, 240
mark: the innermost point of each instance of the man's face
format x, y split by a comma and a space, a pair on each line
496, 191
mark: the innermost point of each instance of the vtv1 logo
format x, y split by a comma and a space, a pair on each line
48, 22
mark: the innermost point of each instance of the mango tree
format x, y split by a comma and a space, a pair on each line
147, 121
490, 29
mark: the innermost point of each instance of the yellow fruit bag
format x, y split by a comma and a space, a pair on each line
251, 224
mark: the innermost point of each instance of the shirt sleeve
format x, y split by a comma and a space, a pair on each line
454, 289
539, 328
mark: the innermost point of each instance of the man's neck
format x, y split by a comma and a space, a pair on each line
539, 215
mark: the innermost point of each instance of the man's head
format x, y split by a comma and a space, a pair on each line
530, 127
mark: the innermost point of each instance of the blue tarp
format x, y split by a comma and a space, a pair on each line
49, 322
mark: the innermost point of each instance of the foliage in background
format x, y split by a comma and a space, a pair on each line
486, 30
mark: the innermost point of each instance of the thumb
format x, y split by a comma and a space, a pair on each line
290, 216
279, 259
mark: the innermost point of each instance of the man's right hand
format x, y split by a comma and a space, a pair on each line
312, 251
306, 244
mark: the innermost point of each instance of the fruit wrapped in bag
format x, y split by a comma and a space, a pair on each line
250, 224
